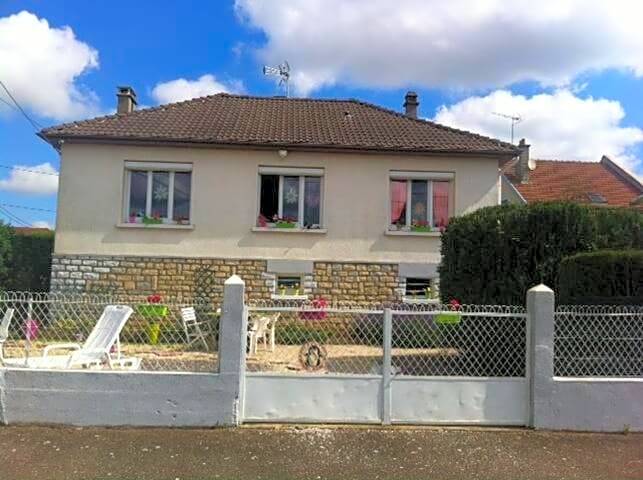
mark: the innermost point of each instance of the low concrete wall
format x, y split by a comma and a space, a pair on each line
594, 404
117, 398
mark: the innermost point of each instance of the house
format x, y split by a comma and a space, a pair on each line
301, 197
603, 183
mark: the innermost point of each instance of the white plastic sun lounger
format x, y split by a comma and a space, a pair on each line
96, 352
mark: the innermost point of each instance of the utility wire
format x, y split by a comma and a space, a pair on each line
14, 218
34, 124
28, 170
27, 208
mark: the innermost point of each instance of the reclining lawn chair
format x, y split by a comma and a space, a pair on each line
96, 352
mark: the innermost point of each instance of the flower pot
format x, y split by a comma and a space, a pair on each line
286, 225
421, 228
152, 310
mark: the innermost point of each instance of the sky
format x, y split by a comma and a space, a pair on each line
572, 70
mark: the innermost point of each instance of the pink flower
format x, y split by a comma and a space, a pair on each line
155, 298
454, 304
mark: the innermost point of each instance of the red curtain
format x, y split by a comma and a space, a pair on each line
398, 199
440, 204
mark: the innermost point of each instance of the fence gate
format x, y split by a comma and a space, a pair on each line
411, 364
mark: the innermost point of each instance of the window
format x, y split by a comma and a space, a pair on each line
289, 285
596, 198
418, 288
290, 198
419, 204
157, 193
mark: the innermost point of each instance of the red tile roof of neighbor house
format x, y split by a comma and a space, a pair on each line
571, 180
29, 231
305, 123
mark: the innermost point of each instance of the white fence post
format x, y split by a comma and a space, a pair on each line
387, 366
540, 367
232, 340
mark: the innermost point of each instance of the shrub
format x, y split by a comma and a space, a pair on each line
495, 254
602, 277
29, 262
299, 332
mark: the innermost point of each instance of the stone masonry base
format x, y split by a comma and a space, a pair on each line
204, 277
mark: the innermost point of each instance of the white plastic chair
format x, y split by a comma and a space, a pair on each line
262, 328
4, 330
195, 331
95, 352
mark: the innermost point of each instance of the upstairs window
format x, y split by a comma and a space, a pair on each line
157, 193
419, 204
290, 198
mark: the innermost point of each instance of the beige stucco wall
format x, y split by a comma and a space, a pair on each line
224, 209
509, 194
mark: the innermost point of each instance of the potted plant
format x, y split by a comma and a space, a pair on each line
285, 223
153, 220
183, 220
450, 318
420, 226
153, 311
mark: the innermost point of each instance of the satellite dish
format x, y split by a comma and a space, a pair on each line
531, 164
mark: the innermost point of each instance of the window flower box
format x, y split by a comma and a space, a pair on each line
421, 228
152, 221
282, 224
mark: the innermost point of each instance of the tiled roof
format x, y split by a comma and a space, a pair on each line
225, 119
575, 181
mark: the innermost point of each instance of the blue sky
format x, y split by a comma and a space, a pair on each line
572, 72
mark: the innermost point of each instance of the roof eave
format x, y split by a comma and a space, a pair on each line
57, 140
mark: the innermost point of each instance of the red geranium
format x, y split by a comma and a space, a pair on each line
154, 298
454, 304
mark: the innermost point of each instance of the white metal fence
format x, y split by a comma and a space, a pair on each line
598, 341
349, 338
156, 335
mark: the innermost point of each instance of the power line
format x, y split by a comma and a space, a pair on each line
34, 124
28, 170
27, 208
13, 217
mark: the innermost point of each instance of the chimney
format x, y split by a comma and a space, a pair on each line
411, 105
126, 99
522, 168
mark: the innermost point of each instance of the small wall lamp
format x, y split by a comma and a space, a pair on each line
283, 153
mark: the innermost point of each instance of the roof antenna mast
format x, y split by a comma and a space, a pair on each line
282, 71
514, 120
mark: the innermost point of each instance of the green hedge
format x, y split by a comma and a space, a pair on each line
602, 277
30, 262
495, 254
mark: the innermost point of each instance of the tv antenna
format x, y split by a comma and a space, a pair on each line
282, 71
514, 120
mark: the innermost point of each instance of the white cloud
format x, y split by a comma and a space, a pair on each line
183, 89
456, 44
41, 65
41, 224
32, 179
558, 125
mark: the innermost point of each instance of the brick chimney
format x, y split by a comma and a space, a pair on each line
126, 99
522, 168
411, 105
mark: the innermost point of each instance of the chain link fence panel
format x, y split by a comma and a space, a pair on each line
156, 335
314, 338
459, 340
598, 341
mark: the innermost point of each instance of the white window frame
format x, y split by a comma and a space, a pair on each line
408, 177
150, 168
302, 173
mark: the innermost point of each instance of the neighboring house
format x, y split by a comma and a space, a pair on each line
301, 197
528, 180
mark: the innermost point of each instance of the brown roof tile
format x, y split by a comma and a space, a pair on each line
569, 180
225, 119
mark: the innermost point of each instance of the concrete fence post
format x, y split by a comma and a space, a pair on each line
540, 364
387, 366
232, 340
